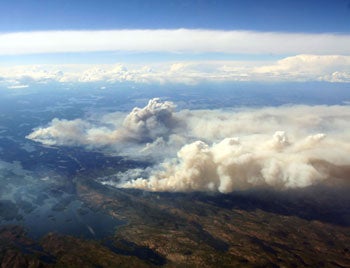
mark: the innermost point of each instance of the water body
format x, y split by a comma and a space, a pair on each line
42, 205
73, 219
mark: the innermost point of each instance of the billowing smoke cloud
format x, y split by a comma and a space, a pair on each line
233, 164
141, 125
218, 150
153, 121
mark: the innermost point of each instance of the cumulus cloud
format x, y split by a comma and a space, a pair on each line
308, 67
176, 40
217, 150
330, 68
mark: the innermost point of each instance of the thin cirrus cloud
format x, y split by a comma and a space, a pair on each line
176, 40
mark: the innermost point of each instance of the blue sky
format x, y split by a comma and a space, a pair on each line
261, 15
197, 38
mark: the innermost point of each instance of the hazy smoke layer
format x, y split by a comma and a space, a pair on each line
218, 150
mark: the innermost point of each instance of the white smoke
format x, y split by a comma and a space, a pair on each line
62, 132
141, 125
218, 150
233, 164
153, 121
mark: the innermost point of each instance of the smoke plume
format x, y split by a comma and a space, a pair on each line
217, 150
141, 125
234, 165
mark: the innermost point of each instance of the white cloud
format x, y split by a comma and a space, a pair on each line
331, 68
18, 86
307, 67
177, 40
218, 150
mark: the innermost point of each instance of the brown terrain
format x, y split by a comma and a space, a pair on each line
262, 229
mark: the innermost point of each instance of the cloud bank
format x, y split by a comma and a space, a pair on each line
177, 40
217, 150
328, 68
